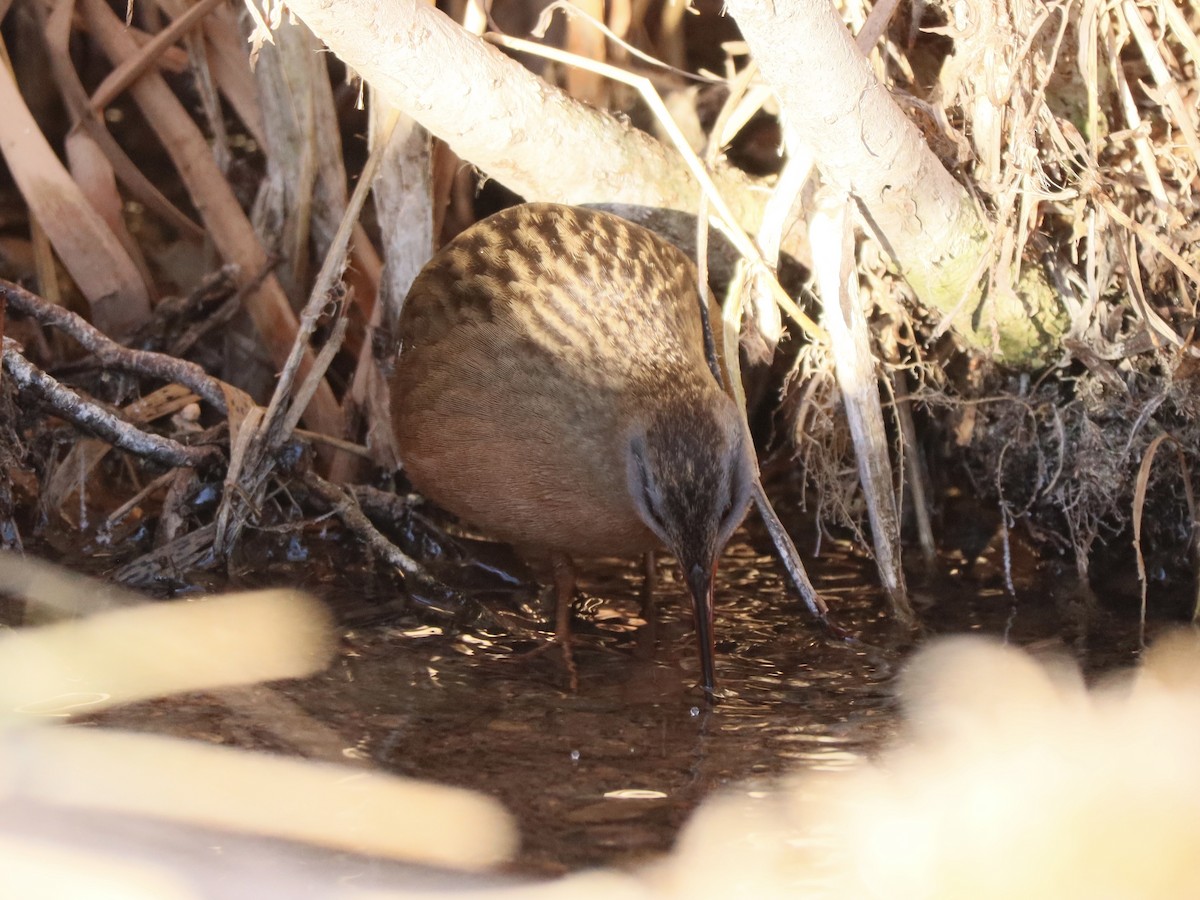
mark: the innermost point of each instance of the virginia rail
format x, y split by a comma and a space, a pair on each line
553, 390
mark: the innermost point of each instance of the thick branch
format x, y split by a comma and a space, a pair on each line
835, 106
496, 114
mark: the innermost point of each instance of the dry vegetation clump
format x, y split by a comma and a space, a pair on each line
1027, 245
1070, 126
1084, 151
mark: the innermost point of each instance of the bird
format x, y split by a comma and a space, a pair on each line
552, 389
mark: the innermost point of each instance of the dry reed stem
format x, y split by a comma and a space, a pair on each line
202, 79
134, 650
406, 208
253, 453
831, 235
98, 264
229, 58
1153, 53
219, 208
58, 29
284, 411
131, 69
155, 649
334, 806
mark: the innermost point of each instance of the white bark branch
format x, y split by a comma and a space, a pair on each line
834, 106
496, 114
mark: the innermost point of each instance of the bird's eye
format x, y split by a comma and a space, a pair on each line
734, 507
726, 508
726, 515
647, 490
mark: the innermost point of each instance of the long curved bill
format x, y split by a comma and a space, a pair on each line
700, 583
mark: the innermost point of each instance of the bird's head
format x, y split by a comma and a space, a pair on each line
691, 474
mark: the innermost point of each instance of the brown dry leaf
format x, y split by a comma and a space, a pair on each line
106, 275
96, 178
229, 59
239, 405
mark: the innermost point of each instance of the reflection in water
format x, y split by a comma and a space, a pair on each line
609, 774
500, 720
1011, 780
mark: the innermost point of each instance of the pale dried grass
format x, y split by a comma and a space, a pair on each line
1075, 125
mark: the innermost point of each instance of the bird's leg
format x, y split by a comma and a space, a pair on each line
649, 585
647, 635
564, 589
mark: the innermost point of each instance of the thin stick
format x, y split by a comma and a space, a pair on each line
336, 443
790, 559
346, 507
124, 509
725, 219
331, 267
129, 71
570, 10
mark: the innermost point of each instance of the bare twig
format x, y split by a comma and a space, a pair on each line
110, 354
252, 458
223, 314
278, 421
91, 418
346, 508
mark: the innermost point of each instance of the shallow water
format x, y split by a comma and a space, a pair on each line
607, 774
